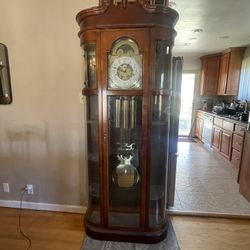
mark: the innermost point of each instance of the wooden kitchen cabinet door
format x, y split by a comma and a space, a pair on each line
238, 142
209, 74
222, 82
229, 74
244, 179
226, 144
216, 138
235, 160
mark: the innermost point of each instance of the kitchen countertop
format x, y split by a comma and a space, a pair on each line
224, 117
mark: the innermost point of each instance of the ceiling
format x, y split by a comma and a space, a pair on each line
225, 23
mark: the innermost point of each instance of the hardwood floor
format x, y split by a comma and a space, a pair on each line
48, 230
64, 231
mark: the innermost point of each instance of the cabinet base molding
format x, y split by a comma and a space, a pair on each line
126, 236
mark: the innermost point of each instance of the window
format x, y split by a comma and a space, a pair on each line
244, 89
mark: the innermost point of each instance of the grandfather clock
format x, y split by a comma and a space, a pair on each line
127, 62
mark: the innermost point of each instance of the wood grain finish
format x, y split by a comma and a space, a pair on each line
235, 159
220, 73
64, 231
209, 75
136, 15
48, 230
226, 144
240, 130
222, 82
145, 25
216, 138
229, 126
236, 56
244, 179
238, 142
218, 122
230, 67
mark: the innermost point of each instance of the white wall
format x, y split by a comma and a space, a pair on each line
42, 132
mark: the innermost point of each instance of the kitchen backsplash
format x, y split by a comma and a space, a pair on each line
213, 100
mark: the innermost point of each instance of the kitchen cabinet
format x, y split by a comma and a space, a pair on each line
235, 158
237, 145
222, 137
226, 143
222, 82
229, 74
237, 142
216, 138
220, 73
227, 136
244, 179
209, 74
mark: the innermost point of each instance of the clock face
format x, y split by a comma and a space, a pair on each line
125, 73
125, 70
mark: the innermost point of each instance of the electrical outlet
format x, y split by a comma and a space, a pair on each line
81, 98
29, 188
6, 187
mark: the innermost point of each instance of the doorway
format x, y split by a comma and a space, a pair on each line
186, 111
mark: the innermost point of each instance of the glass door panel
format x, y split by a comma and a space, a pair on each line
160, 108
90, 65
93, 159
162, 66
158, 159
125, 120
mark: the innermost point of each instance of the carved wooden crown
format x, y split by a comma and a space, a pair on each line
125, 2
115, 14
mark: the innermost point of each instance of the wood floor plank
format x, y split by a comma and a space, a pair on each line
65, 231
48, 230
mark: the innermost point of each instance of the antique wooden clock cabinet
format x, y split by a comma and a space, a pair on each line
127, 63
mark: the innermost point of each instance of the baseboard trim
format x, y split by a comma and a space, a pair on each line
43, 206
173, 211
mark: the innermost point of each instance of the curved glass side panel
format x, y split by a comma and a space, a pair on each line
162, 65
89, 65
125, 119
159, 135
93, 159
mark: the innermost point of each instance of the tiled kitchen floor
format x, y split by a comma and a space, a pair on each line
206, 183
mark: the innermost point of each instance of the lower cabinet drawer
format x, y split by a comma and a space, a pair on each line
238, 142
235, 159
218, 122
240, 129
228, 126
